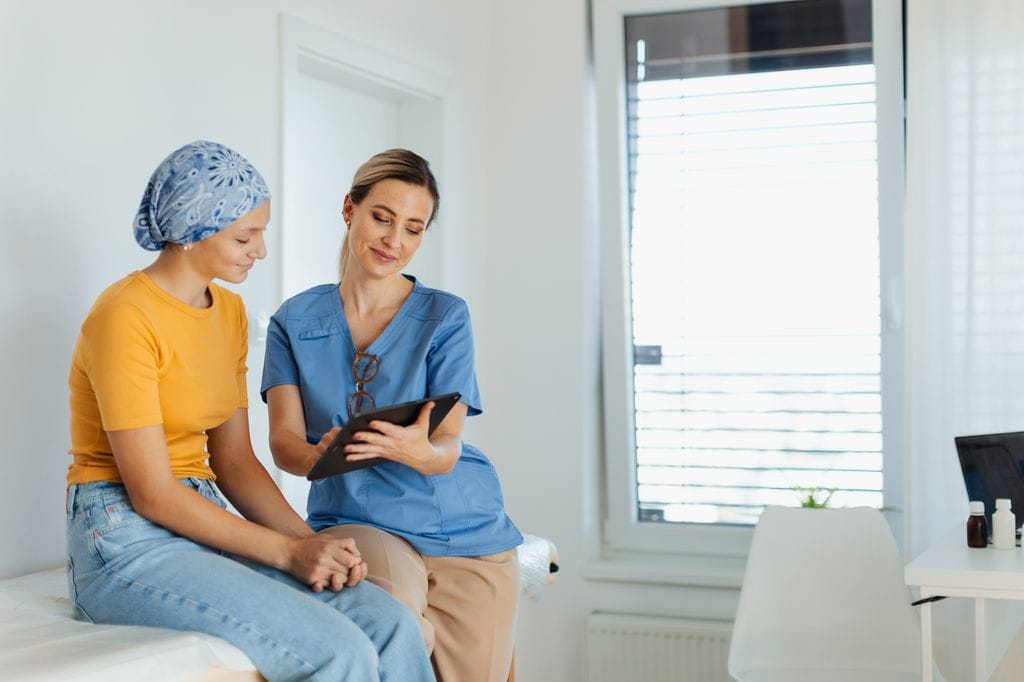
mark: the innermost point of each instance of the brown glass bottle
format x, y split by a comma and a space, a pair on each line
977, 526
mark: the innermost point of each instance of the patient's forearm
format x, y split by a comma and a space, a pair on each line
248, 486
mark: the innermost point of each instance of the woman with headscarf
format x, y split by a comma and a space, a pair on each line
159, 411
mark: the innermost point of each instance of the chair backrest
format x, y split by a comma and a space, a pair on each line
824, 590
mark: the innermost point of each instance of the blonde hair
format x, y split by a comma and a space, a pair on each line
394, 164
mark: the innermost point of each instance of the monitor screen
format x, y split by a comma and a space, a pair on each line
993, 467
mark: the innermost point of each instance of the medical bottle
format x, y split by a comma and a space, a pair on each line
1004, 525
977, 525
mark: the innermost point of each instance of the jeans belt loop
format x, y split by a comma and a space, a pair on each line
69, 503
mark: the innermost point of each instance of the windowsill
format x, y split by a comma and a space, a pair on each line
722, 571
682, 570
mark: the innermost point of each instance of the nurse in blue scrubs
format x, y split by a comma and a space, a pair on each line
431, 521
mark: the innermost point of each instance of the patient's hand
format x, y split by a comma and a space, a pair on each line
324, 561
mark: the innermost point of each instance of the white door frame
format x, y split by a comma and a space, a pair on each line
421, 96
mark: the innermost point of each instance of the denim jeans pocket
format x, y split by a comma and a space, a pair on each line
118, 511
123, 531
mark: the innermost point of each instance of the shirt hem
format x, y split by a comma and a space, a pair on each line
415, 541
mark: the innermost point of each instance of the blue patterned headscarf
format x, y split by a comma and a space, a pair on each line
197, 191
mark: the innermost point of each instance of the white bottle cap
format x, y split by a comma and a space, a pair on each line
977, 507
1002, 503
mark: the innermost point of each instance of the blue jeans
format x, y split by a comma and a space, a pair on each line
125, 569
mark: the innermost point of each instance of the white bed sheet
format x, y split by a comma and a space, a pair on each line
39, 640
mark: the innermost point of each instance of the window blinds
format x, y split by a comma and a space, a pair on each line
754, 259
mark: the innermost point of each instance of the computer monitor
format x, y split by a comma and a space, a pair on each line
993, 467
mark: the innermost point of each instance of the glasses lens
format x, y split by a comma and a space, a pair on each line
360, 402
364, 367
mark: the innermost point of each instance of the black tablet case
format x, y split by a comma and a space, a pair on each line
403, 414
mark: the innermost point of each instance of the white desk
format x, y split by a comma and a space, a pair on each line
952, 569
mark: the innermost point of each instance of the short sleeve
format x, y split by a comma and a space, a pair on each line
279, 363
451, 361
122, 360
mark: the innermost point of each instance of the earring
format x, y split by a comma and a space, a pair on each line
188, 247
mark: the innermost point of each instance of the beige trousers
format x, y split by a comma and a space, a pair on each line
466, 606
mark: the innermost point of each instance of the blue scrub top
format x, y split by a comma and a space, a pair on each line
426, 349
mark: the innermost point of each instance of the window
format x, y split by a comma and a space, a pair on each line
752, 264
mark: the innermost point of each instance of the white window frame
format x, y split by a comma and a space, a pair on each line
698, 554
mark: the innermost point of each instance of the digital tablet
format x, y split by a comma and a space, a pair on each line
403, 414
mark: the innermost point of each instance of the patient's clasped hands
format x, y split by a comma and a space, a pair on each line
325, 561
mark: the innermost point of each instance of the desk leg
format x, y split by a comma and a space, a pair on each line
926, 639
980, 652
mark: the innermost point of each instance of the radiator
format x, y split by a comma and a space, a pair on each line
623, 648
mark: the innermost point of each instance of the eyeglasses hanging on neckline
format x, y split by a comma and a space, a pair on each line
364, 368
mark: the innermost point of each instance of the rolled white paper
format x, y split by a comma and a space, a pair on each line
538, 563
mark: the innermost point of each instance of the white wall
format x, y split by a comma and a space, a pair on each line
540, 358
95, 94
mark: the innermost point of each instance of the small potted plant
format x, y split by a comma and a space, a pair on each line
814, 497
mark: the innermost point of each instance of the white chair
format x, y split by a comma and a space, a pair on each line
823, 599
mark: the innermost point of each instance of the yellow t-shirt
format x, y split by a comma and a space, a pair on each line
143, 358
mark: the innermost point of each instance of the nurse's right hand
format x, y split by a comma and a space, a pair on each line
326, 439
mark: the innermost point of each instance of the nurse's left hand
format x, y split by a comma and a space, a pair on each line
409, 445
